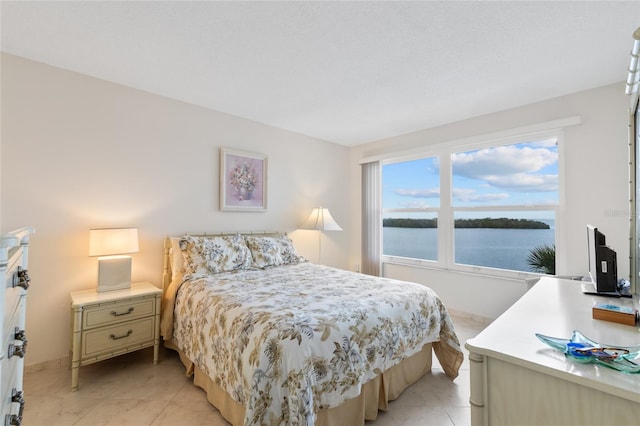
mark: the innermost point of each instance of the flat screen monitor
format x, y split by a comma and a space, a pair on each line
603, 266
595, 238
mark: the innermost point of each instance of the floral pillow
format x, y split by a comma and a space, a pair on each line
272, 251
287, 251
265, 251
212, 255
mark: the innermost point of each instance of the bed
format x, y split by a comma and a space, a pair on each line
275, 339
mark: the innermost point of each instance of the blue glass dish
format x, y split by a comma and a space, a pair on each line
580, 348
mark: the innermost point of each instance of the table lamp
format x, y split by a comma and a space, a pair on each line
111, 246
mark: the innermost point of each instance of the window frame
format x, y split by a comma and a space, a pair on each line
446, 211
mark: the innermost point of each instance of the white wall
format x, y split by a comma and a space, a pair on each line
596, 191
79, 152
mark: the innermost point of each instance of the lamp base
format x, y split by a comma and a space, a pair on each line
114, 273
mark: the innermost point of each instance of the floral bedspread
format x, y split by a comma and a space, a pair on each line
287, 340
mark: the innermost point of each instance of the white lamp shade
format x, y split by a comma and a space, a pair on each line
107, 242
320, 219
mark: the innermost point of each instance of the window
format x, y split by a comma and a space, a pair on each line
411, 200
485, 206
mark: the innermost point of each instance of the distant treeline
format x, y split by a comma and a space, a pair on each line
487, 222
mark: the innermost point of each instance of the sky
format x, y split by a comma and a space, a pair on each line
518, 174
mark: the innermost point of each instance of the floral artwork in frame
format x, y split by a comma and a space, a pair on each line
243, 181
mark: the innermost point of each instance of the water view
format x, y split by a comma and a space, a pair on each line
495, 248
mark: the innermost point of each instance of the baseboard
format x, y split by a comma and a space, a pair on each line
47, 365
460, 314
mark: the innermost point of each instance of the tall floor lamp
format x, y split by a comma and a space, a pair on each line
321, 220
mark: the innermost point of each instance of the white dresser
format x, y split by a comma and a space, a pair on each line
14, 274
518, 380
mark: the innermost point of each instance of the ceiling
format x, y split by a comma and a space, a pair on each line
344, 72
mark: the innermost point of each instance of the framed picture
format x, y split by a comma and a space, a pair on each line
243, 181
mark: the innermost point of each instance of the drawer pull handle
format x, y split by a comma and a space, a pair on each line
21, 278
117, 314
20, 335
12, 420
18, 397
114, 337
19, 351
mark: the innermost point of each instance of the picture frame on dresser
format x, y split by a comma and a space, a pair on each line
243, 181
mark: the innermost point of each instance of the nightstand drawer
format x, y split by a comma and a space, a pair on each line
112, 339
112, 313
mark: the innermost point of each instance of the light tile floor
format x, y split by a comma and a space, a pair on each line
130, 390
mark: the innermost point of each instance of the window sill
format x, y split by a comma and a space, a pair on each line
482, 271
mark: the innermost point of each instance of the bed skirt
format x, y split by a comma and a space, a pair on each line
375, 394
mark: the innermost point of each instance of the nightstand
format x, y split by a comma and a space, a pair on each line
108, 324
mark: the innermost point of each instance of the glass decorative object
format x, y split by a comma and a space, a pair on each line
580, 348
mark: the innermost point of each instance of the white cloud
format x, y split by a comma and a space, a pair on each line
466, 195
418, 193
510, 167
505, 160
525, 182
413, 204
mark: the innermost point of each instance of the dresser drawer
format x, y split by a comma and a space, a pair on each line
14, 305
12, 366
11, 372
117, 337
13, 315
112, 313
13, 265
